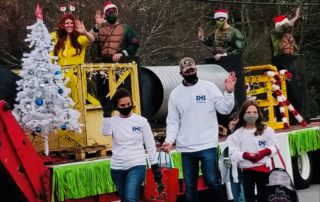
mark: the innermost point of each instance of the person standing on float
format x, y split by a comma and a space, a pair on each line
225, 40
114, 39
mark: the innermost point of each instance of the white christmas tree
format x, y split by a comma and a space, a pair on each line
44, 105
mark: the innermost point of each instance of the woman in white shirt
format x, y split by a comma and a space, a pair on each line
252, 145
129, 132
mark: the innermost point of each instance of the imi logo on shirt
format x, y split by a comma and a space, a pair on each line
201, 98
136, 129
262, 143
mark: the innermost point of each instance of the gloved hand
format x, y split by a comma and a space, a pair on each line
263, 153
249, 156
107, 106
156, 172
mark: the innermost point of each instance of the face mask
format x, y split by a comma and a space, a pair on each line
219, 24
251, 118
111, 18
125, 111
190, 78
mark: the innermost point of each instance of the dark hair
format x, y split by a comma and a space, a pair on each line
62, 36
120, 93
242, 123
234, 115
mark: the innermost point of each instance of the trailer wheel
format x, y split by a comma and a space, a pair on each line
302, 170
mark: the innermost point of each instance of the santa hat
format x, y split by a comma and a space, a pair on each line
72, 7
63, 7
108, 5
221, 14
280, 20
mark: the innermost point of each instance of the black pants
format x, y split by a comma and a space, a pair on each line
252, 178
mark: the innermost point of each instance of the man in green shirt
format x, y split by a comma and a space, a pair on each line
225, 40
114, 39
282, 42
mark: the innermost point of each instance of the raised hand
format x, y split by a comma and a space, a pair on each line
297, 13
200, 32
107, 106
99, 19
80, 27
230, 82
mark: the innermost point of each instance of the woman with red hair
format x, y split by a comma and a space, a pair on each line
71, 40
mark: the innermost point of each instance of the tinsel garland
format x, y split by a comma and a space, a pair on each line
304, 140
282, 101
79, 180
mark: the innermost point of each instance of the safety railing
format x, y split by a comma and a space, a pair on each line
263, 84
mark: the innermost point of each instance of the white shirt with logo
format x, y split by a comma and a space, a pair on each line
192, 119
244, 140
128, 136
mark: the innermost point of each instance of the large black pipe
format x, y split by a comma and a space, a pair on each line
158, 82
8, 86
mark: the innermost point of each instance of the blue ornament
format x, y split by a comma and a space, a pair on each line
57, 73
30, 72
60, 91
51, 44
39, 102
63, 127
38, 129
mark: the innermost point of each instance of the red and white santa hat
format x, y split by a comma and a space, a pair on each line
280, 20
108, 5
63, 7
72, 7
221, 14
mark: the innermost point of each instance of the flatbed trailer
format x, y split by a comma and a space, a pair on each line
25, 177
28, 179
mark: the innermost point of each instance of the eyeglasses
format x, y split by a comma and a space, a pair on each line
219, 19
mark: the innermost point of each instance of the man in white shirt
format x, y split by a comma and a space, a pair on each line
192, 122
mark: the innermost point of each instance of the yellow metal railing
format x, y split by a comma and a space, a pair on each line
88, 105
78, 83
270, 102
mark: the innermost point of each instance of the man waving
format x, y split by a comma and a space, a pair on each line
192, 122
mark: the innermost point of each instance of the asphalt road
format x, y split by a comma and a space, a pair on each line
312, 194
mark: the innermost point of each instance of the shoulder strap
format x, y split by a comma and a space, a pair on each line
281, 159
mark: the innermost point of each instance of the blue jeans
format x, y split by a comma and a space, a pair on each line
237, 192
190, 168
129, 182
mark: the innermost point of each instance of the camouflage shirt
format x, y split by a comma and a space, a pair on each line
229, 41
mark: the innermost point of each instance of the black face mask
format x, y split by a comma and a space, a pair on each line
125, 111
190, 78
